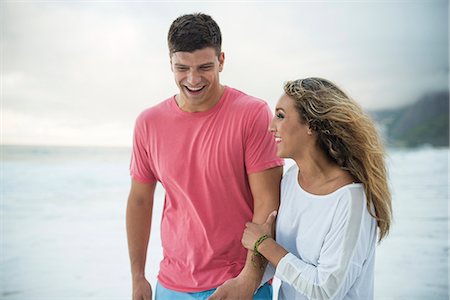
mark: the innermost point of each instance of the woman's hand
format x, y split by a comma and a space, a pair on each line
254, 231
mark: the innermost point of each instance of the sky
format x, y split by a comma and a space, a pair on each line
79, 72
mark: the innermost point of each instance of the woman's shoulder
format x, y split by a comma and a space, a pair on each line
351, 190
291, 171
289, 175
351, 200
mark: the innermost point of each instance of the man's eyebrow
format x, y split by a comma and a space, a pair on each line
208, 64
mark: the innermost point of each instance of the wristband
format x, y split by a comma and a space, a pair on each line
259, 242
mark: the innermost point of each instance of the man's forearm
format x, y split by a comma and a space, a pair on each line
265, 188
254, 268
255, 265
138, 222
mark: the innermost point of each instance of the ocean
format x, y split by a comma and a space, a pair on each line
63, 232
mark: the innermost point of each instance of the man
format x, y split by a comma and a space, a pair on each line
210, 148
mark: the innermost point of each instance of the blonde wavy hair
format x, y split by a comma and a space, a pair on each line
349, 137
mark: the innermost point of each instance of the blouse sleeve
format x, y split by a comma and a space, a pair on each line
346, 247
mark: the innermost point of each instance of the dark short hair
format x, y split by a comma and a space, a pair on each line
194, 32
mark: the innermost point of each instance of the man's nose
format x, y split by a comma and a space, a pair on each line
193, 78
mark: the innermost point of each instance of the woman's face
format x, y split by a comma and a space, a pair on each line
292, 134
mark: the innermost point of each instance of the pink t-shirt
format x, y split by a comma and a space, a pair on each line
202, 160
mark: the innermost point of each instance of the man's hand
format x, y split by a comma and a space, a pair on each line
239, 288
254, 231
142, 289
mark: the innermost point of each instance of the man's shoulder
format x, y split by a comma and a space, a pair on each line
155, 110
243, 99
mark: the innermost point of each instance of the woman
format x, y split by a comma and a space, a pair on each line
332, 200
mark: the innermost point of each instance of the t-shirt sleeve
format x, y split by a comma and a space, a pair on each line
260, 148
140, 169
339, 264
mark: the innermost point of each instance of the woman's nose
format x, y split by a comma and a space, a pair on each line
272, 125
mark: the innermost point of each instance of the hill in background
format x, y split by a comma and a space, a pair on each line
425, 122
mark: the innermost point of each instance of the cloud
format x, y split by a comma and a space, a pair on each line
31, 129
84, 70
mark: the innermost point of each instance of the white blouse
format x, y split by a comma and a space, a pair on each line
331, 241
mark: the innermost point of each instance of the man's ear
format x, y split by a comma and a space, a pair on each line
221, 61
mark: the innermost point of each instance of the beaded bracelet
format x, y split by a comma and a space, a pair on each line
259, 242
258, 256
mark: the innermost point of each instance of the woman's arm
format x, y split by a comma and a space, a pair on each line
345, 249
270, 249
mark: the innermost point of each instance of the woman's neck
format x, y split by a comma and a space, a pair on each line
319, 174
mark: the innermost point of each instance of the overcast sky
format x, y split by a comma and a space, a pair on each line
79, 72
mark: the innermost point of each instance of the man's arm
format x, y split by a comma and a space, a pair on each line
265, 187
138, 221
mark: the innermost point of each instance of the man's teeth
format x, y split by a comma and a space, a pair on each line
195, 89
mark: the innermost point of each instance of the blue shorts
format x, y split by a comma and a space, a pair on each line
263, 293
